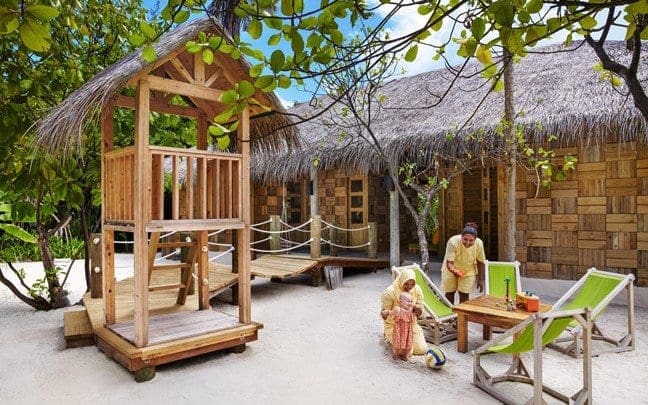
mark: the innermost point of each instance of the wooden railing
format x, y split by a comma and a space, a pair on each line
185, 184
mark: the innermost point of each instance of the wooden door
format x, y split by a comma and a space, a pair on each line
357, 204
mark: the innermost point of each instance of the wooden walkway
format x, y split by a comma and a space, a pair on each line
80, 325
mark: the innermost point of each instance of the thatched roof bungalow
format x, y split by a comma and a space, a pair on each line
594, 218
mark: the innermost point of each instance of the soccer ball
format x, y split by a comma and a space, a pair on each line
435, 358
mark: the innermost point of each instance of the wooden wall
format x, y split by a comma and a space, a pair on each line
597, 217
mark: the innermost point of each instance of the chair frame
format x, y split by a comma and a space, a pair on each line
518, 282
437, 329
572, 344
518, 372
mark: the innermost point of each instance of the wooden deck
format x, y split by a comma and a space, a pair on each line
181, 331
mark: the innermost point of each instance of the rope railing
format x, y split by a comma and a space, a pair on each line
260, 241
261, 223
288, 241
344, 246
291, 228
215, 232
330, 225
223, 253
165, 256
282, 250
218, 244
296, 228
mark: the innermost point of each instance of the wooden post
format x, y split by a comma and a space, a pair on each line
202, 240
316, 235
275, 238
394, 229
333, 250
142, 181
96, 271
372, 250
243, 235
109, 275
314, 206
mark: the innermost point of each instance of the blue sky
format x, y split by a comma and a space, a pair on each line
406, 20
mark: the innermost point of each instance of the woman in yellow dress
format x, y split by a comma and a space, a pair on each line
463, 264
390, 299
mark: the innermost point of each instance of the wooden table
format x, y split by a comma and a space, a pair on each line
488, 311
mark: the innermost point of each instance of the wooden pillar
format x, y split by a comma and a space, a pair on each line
185, 252
316, 235
202, 241
243, 235
333, 250
394, 229
314, 206
109, 275
96, 266
275, 238
372, 249
108, 249
142, 189
202, 144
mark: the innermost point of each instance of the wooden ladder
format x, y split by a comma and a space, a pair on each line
185, 265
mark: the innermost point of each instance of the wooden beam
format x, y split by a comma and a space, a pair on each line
199, 69
142, 208
243, 235
133, 81
184, 89
161, 107
203, 105
108, 249
215, 76
182, 70
203, 269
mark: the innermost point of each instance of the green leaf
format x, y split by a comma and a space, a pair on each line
208, 56
410, 55
18, 232
263, 82
216, 130
274, 39
337, 37
147, 30
193, 47
297, 42
588, 23
277, 60
181, 16
245, 89
284, 81
229, 97
41, 12
9, 22
498, 86
534, 6
148, 53
224, 116
478, 28
287, 7
223, 142
255, 29
256, 70
35, 35
136, 39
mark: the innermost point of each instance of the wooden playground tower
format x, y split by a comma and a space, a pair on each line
210, 191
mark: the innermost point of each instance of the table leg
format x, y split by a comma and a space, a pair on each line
462, 333
487, 332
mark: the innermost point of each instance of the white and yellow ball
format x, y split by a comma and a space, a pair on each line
435, 358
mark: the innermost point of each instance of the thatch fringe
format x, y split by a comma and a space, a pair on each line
556, 94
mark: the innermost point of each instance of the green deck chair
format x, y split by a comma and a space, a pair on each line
596, 289
438, 321
495, 274
534, 333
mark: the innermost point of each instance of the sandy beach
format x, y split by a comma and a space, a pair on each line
317, 346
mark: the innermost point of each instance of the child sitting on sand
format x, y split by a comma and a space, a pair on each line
403, 319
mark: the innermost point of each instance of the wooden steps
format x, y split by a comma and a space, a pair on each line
77, 329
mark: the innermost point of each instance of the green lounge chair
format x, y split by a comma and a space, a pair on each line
438, 321
495, 274
534, 333
596, 289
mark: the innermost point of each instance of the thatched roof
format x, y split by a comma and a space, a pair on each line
63, 127
560, 91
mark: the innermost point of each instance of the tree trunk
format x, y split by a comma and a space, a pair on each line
57, 295
511, 160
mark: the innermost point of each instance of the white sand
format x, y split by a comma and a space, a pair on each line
318, 346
